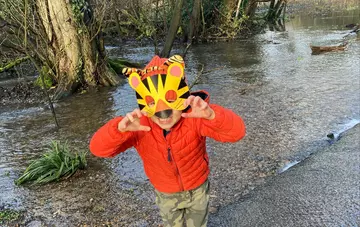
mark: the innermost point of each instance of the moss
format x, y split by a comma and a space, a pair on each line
79, 8
12, 64
47, 78
118, 64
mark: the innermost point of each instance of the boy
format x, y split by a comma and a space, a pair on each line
169, 131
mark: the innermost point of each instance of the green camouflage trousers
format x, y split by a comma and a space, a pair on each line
190, 207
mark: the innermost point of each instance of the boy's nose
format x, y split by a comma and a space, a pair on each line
161, 105
162, 110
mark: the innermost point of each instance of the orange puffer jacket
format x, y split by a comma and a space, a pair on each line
177, 161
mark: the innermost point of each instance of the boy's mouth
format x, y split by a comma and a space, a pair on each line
164, 114
165, 120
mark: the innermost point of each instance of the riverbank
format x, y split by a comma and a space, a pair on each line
323, 190
315, 8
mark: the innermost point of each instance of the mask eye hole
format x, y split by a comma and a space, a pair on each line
170, 96
149, 100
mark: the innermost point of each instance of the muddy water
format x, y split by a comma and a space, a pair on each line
289, 99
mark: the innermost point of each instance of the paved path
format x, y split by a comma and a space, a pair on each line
324, 190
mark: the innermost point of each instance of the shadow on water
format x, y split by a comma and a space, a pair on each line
289, 99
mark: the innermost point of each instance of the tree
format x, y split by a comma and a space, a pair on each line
61, 36
174, 26
275, 10
195, 20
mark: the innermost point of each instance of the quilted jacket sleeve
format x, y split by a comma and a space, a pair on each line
108, 141
225, 127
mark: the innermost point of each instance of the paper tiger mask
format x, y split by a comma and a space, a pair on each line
161, 86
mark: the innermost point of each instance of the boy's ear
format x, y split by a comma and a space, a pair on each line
128, 71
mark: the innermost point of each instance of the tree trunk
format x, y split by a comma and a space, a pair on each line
278, 14
238, 9
251, 8
174, 26
75, 49
195, 20
271, 9
275, 10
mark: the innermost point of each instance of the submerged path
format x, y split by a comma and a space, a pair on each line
324, 190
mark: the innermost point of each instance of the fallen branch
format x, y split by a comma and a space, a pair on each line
186, 50
13, 64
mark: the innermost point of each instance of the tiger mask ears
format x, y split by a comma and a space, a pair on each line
157, 65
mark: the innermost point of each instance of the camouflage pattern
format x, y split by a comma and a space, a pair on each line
190, 207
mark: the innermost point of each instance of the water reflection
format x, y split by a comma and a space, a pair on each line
335, 21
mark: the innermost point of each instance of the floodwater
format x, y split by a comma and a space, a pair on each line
289, 99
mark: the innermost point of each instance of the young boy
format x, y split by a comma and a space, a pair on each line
169, 131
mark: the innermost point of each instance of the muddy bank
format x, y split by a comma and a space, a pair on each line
21, 92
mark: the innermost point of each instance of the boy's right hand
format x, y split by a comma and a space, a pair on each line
131, 122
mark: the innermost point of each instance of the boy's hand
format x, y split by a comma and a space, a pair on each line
131, 122
199, 108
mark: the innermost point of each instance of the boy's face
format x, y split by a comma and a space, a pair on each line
169, 122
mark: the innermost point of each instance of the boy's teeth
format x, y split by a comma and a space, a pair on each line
164, 120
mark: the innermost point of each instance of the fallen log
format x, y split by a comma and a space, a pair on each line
322, 49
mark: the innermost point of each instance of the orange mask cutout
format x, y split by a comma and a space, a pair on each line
159, 91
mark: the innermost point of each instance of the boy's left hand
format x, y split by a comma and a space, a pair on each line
199, 108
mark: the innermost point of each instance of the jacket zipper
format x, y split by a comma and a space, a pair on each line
169, 155
170, 158
176, 168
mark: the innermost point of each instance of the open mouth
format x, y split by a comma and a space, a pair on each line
164, 114
165, 120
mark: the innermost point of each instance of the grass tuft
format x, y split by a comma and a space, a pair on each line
9, 216
58, 162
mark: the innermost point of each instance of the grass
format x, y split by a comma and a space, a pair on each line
9, 215
58, 162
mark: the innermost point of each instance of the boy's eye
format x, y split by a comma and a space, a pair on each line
170, 96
